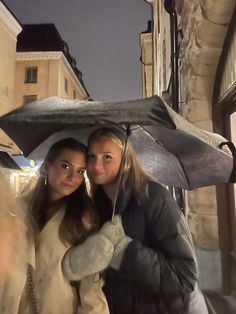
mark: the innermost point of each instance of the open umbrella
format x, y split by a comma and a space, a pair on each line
172, 150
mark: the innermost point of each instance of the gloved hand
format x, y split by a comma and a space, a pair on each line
92, 256
97, 252
113, 231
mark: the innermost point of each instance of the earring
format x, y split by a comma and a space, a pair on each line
45, 179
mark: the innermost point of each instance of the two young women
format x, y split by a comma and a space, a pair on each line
58, 214
152, 267
147, 247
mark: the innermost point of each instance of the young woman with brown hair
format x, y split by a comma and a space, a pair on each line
62, 215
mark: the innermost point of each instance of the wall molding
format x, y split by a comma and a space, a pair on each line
9, 22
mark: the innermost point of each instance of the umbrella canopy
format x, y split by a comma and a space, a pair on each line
172, 150
7, 161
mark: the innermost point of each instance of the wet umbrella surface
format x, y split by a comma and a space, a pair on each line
172, 150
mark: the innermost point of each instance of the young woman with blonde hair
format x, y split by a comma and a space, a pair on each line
153, 269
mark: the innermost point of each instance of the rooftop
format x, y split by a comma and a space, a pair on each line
45, 37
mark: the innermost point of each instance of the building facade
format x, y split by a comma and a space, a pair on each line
44, 66
224, 122
146, 43
9, 29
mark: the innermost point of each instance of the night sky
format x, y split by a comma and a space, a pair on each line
103, 37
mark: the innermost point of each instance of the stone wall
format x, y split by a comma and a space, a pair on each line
204, 25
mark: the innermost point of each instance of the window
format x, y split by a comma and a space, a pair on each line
74, 94
29, 98
66, 85
31, 74
225, 124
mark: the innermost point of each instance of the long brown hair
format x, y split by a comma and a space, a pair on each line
131, 170
77, 204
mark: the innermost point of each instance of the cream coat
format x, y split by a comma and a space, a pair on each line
54, 295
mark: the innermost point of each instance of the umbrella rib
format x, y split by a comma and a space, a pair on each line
148, 134
184, 172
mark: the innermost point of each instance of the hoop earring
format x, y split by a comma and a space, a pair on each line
45, 179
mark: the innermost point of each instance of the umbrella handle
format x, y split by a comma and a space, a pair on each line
233, 151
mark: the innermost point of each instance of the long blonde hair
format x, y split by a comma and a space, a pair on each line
72, 229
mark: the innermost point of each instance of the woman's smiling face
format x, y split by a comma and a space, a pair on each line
103, 161
65, 174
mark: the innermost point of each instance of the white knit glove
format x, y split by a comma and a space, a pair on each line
113, 231
96, 253
92, 256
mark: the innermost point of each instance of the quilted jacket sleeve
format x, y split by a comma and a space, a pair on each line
168, 265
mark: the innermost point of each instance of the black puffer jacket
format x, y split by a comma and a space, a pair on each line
159, 270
